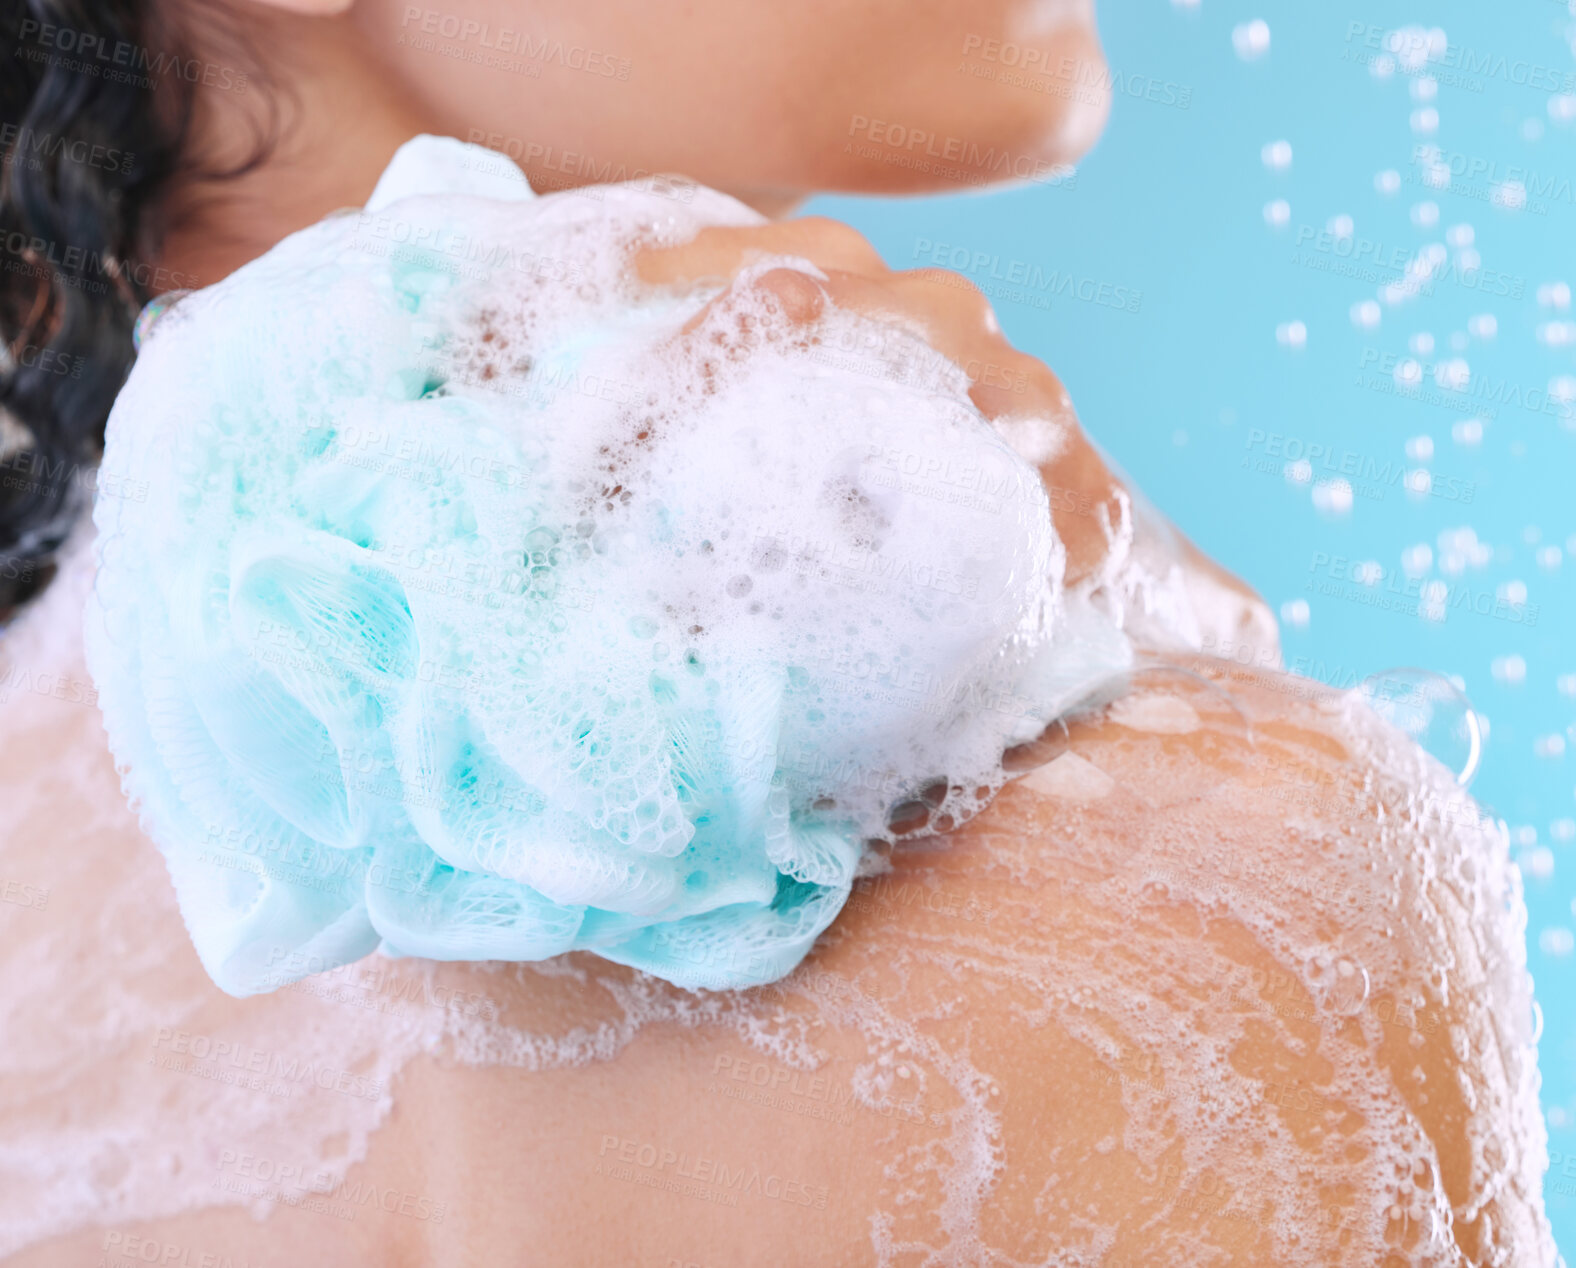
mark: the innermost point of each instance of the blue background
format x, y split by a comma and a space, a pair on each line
1186, 392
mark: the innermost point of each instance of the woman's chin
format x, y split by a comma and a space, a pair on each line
1008, 115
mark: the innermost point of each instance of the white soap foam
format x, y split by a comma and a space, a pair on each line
737, 571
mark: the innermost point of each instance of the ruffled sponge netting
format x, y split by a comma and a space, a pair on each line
470, 606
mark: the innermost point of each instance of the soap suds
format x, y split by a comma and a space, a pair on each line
482, 616
1160, 714
1070, 778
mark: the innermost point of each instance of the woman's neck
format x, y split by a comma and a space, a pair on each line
340, 115
338, 124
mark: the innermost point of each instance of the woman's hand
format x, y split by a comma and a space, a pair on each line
1091, 507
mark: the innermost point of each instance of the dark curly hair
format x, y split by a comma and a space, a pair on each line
96, 110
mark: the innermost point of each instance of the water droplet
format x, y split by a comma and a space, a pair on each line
1551, 295
1433, 711
1291, 334
1537, 863
152, 312
1366, 313
1418, 559
1510, 670
1339, 983
1251, 39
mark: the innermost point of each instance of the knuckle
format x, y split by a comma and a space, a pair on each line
835, 239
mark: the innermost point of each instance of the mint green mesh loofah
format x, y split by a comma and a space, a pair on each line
476, 612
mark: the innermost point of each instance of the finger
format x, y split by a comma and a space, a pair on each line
951, 313
1027, 402
717, 252
776, 303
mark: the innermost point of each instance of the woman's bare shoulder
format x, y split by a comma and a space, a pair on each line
1251, 970
1225, 976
